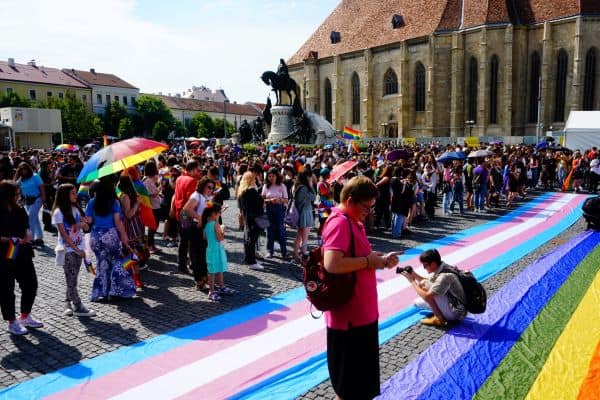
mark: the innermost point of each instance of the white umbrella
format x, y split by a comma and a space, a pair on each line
480, 154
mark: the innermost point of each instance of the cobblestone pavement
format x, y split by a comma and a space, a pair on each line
169, 301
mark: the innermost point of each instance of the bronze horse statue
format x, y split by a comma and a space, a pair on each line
279, 83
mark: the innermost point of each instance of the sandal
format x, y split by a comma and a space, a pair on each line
214, 296
433, 321
224, 290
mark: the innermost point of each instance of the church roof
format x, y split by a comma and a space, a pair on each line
181, 103
365, 24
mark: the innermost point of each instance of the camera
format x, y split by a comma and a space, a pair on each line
407, 269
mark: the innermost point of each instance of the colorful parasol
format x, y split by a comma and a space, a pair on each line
66, 147
119, 156
341, 170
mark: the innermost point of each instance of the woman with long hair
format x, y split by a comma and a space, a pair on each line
193, 209
34, 196
108, 237
251, 205
68, 218
15, 243
151, 182
304, 197
133, 225
275, 195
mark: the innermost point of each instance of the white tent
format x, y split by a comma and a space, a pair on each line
582, 130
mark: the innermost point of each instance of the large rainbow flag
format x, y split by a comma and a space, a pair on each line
351, 134
274, 349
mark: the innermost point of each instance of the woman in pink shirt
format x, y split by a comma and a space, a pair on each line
276, 197
352, 329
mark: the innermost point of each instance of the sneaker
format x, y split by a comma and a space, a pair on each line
214, 296
257, 267
31, 322
68, 309
433, 321
270, 255
224, 290
84, 312
16, 328
139, 289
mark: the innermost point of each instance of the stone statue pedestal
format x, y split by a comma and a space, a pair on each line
282, 124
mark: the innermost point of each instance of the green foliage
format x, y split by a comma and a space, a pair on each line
113, 114
307, 146
179, 129
202, 125
218, 132
249, 148
160, 131
79, 123
125, 128
151, 110
13, 99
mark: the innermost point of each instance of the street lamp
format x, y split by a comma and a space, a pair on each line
225, 101
470, 123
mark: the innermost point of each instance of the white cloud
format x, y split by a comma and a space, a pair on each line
108, 36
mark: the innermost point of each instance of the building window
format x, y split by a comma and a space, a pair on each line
561, 85
494, 90
473, 85
117, 99
335, 37
48, 94
328, 101
84, 97
397, 21
132, 100
98, 99
9, 90
61, 95
107, 99
419, 87
32, 94
589, 85
355, 99
534, 87
391, 82
125, 100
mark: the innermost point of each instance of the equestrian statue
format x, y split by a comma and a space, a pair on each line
280, 81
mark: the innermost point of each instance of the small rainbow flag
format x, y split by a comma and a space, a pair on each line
13, 249
351, 134
130, 261
355, 146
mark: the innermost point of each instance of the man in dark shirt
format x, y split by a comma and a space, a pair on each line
68, 173
480, 178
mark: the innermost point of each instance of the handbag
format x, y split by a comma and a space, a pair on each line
262, 222
291, 215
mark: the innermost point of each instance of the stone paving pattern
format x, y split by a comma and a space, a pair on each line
169, 301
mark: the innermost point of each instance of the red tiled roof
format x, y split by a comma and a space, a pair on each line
98, 78
37, 74
365, 24
180, 103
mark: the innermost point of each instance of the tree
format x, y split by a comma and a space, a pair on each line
79, 123
113, 114
218, 132
160, 131
202, 125
125, 128
13, 99
151, 110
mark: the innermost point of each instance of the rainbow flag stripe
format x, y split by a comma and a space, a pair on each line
129, 262
13, 249
274, 349
351, 134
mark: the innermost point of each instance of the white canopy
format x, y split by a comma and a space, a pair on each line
582, 130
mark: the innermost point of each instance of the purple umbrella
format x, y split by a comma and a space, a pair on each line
398, 154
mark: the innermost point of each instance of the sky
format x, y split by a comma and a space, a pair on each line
161, 45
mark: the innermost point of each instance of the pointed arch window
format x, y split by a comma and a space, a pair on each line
534, 87
494, 66
355, 99
589, 84
419, 87
391, 82
561, 85
473, 85
328, 100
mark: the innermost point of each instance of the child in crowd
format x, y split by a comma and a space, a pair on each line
216, 258
69, 220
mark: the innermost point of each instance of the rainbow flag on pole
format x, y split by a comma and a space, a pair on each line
351, 134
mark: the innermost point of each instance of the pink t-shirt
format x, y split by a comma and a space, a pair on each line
362, 308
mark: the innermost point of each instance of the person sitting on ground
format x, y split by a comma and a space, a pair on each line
441, 293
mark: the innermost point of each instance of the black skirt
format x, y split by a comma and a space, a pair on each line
353, 361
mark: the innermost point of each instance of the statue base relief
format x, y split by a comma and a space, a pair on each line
282, 124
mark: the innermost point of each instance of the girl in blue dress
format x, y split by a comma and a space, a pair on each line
216, 258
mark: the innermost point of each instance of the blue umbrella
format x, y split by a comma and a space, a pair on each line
451, 156
541, 145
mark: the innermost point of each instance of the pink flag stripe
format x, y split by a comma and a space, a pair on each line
146, 370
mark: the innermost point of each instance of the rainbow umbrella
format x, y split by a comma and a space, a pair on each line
66, 147
119, 156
